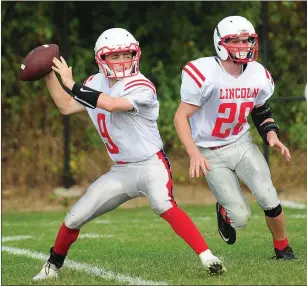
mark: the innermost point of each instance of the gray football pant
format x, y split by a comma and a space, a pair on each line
150, 178
241, 159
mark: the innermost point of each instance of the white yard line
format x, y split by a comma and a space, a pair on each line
95, 235
15, 237
204, 218
25, 224
293, 205
102, 221
298, 216
82, 236
89, 269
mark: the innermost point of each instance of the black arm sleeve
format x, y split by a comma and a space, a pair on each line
85, 95
259, 115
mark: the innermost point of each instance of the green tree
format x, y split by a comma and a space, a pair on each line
170, 34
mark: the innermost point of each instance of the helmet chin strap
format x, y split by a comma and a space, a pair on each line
236, 62
235, 57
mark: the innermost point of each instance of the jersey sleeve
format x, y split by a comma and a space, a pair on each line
267, 90
194, 86
141, 94
88, 80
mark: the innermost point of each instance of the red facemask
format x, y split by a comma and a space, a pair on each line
241, 54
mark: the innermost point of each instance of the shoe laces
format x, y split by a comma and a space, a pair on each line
47, 268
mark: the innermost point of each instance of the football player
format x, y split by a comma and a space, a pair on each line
122, 104
217, 95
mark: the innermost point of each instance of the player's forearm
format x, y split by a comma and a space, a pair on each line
93, 98
184, 133
263, 121
61, 98
113, 104
267, 120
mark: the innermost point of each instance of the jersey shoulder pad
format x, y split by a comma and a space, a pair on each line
193, 70
90, 78
138, 81
269, 77
199, 70
262, 72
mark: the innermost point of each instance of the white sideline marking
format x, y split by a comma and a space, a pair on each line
299, 216
89, 269
95, 235
102, 221
205, 218
293, 205
82, 236
25, 224
15, 237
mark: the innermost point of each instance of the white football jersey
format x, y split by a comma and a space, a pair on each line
225, 101
129, 136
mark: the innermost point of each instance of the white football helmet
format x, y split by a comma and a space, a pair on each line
236, 27
117, 40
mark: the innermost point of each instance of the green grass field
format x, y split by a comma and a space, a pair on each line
131, 246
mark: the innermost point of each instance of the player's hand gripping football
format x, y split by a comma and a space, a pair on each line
277, 145
64, 71
198, 161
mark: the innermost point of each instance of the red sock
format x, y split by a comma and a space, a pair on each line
65, 238
281, 244
224, 214
185, 228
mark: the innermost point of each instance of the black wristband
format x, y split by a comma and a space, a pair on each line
266, 128
85, 95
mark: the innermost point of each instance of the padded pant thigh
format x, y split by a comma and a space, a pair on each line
225, 186
158, 187
104, 195
254, 171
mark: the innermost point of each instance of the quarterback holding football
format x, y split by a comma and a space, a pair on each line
122, 104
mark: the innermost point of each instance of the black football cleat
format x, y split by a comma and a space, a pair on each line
286, 254
226, 231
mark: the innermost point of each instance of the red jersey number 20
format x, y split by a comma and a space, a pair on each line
101, 119
232, 108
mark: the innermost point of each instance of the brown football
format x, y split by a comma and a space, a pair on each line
37, 64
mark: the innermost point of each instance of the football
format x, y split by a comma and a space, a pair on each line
37, 64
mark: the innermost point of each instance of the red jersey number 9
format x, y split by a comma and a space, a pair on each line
112, 148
